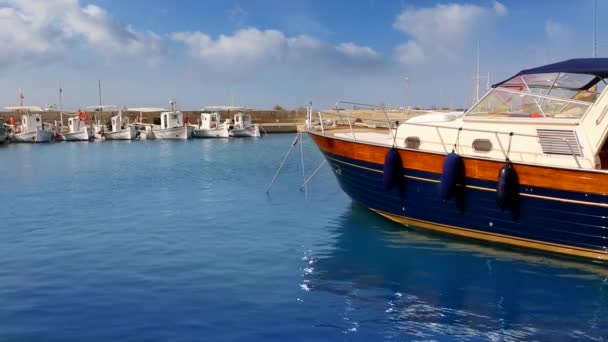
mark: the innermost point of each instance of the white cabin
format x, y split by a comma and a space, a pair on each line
209, 120
117, 122
30, 122
171, 120
551, 115
242, 120
75, 124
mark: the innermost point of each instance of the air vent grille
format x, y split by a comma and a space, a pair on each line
556, 141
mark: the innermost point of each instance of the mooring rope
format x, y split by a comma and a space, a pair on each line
276, 175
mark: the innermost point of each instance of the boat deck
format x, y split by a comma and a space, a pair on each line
376, 136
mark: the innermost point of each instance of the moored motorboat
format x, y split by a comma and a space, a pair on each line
77, 129
31, 128
243, 126
145, 130
99, 127
210, 126
121, 130
527, 165
173, 126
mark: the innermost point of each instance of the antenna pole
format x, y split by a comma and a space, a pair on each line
594, 28
477, 76
61, 105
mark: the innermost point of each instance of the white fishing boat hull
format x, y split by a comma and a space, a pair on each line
82, 135
124, 134
249, 132
38, 136
3, 134
211, 133
175, 133
98, 131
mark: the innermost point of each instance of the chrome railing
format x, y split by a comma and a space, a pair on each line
348, 119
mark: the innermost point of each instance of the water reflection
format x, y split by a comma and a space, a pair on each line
412, 284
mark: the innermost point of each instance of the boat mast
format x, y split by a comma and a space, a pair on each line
477, 78
594, 29
100, 108
61, 105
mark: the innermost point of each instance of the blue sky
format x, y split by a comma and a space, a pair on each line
266, 52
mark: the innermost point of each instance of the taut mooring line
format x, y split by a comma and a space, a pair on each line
276, 175
313, 174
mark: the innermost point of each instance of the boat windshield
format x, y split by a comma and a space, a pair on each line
554, 95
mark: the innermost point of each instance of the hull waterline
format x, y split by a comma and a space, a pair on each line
249, 132
83, 135
176, 133
211, 133
37, 136
124, 134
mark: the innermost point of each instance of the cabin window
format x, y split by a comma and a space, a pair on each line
546, 96
37, 119
174, 116
213, 118
412, 142
482, 145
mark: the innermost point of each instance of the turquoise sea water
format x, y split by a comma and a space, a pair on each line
177, 241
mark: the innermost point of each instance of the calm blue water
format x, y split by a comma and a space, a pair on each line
178, 241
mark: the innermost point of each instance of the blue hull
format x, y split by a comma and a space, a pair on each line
553, 218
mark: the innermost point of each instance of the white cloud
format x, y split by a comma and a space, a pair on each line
439, 30
356, 51
38, 28
245, 46
499, 8
409, 53
252, 46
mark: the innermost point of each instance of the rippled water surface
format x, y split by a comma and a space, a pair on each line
156, 240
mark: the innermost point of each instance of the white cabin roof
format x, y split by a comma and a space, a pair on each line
24, 108
223, 108
103, 108
147, 109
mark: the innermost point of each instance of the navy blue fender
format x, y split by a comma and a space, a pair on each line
393, 172
451, 176
506, 188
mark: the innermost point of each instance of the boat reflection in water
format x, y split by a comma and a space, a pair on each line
408, 283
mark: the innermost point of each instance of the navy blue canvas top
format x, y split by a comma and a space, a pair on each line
590, 66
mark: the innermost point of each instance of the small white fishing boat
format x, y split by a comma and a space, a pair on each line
30, 129
121, 130
172, 126
243, 127
99, 128
145, 130
77, 129
210, 126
